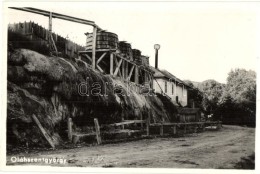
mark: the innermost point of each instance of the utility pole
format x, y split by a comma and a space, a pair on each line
156, 47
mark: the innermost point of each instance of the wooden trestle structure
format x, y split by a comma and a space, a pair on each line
107, 61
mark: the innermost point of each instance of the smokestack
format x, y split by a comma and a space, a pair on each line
156, 47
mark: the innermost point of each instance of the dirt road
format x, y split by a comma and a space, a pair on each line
210, 149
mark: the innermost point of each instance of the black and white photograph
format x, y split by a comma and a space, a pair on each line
130, 85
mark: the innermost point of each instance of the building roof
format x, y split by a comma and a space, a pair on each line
165, 74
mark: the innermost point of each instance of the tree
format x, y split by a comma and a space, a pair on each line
240, 96
212, 91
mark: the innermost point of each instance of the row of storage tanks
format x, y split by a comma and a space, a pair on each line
108, 40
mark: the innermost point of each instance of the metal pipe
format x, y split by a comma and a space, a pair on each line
56, 15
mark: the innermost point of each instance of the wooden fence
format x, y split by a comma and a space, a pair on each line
66, 47
176, 128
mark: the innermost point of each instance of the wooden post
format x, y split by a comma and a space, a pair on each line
111, 64
123, 69
24, 27
75, 139
70, 129
94, 47
174, 130
142, 119
123, 115
185, 128
161, 130
136, 75
50, 23
118, 64
148, 124
195, 129
131, 72
97, 131
50, 29
46, 136
126, 71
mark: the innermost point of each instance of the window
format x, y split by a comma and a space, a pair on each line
165, 86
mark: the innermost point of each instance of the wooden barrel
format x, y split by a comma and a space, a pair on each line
126, 49
145, 60
105, 40
137, 56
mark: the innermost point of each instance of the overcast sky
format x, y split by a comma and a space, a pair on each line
199, 41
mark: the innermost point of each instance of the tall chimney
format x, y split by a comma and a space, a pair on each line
156, 47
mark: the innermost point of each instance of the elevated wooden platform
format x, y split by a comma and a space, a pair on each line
109, 61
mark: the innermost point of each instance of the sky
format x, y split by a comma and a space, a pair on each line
199, 41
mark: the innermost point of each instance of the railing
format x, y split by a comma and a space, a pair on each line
145, 129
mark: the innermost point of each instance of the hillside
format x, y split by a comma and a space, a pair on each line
48, 87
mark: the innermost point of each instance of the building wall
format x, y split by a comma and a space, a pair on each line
167, 86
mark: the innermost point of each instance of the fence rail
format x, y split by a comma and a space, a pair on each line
162, 127
30, 29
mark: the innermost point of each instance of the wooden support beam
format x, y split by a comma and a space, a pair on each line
123, 69
69, 129
50, 38
45, 134
53, 44
101, 57
118, 66
88, 57
97, 131
94, 47
99, 50
111, 63
126, 70
151, 79
99, 68
50, 23
131, 72
136, 75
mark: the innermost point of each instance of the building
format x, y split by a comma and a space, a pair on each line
166, 83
